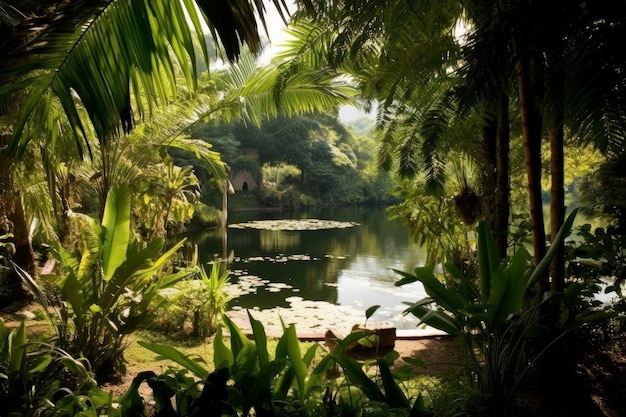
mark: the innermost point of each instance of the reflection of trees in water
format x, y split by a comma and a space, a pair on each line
278, 240
376, 240
367, 251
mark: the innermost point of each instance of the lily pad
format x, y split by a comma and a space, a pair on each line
293, 224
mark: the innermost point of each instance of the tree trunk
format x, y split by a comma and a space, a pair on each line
557, 172
503, 183
225, 189
11, 206
531, 132
496, 185
490, 172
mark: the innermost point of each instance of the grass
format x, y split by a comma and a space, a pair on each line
141, 359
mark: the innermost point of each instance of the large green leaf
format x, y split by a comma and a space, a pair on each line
511, 301
139, 268
434, 318
355, 374
239, 343
116, 225
177, 356
91, 252
447, 298
17, 349
315, 379
138, 261
394, 395
262, 382
222, 356
544, 264
93, 54
64, 257
75, 296
295, 356
488, 260
40, 296
160, 261
465, 281
260, 338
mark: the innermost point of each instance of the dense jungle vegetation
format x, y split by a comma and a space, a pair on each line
124, 122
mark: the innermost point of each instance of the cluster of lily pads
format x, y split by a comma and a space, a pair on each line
293, 224
310, 316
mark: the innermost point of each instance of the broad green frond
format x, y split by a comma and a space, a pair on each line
93, 55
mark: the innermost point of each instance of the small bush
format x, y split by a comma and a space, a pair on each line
206, 216
196, 305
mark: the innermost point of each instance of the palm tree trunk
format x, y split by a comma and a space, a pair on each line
496, 185
11, 206
503, 183
490, 172
531, 132
225, 219
557, 172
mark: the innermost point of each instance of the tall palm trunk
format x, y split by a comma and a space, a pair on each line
531, 132
503, 183
557, 172
496, 184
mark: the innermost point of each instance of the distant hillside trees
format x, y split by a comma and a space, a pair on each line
308, 160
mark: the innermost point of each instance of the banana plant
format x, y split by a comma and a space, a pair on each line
106, 294
495, 315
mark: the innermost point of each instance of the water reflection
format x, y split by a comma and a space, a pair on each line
349, 267
279, 240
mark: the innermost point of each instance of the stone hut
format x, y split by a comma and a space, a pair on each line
243, 181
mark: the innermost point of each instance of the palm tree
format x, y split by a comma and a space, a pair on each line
543, 55
406, 59
557, 50
89, 56
93, 59
174, 191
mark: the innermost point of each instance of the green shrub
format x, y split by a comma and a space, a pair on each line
249, 380
496, 317
197, 303
33, 376
206, 216
103, 296
8, 281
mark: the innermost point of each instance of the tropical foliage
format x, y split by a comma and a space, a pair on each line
100, 298
151, 56
249, 379
32, 373
195, 306
80, 80
313, 160
442, 71
498, 317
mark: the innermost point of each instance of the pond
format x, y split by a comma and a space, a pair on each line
318, 268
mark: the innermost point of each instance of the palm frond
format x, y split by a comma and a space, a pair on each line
90, 54
209, 159
283, 89
10, 15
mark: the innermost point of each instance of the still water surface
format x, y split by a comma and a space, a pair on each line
337, 272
